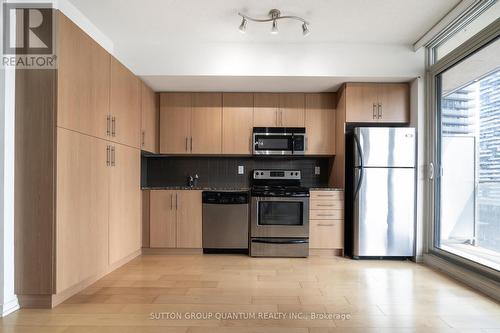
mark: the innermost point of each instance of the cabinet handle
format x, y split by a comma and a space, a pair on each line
107, 155
325, 195
191, 145
113, 126
171, 201
379, 111
276, 116
325, 205
374, 114
108, 119
143, 138
187, 143
113, 156
325, 224
281, 117
325, 214
176, 201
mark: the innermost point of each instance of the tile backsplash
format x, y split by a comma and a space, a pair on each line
222, 171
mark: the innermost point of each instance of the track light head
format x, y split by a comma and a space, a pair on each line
274, 29
305, 29
243, 26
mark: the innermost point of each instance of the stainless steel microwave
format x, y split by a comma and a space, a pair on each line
279, 140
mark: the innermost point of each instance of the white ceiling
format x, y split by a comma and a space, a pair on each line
171, 37
257, 83
180, 21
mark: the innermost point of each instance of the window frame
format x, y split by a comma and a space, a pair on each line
486, 36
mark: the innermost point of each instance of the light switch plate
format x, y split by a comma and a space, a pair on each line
241, 169
317, 170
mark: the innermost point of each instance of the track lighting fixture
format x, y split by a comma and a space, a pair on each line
243, 25
274, 29
305, 29
274, 16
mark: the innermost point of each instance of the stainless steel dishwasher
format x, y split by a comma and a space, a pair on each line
225, 221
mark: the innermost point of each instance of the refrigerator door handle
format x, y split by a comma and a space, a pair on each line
430, 171
358, 146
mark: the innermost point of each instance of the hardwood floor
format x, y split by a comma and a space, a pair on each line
367, 296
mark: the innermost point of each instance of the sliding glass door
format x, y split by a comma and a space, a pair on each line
467, 157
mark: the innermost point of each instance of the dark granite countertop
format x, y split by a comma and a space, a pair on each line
198, 188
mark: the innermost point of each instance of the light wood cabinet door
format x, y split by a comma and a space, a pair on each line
163, 219
189, 226
83, 76
206, 123
125, 106
320, 124
292, 107
361, 102
149, 123
237, 123
326, 234
125, 203
266, 107
82, 208
337, 176
394, 100
175, 123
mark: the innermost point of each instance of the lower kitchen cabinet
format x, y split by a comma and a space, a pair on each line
175, 219
125, 209
326, 220
82, 208
162, 218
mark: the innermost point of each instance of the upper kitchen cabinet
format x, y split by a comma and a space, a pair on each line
125, 106
377, 102
266, 110
237, 120
320, 123
291, 110
83, 81
206, 123
279, 110
394, 103
149, 123
175, 123
190, 123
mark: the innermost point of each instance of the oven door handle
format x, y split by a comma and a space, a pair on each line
284, 241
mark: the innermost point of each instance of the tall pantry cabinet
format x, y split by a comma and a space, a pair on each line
78, 197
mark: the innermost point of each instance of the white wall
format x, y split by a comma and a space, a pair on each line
8, 300
418, 114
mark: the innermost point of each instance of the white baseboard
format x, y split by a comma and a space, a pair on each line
9, 307
472, 279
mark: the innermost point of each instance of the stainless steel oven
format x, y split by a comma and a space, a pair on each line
279, 214
280, 217
279, 140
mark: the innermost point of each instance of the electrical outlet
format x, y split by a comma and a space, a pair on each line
241, 170
317, 170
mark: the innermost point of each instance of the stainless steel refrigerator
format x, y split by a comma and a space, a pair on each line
384, 192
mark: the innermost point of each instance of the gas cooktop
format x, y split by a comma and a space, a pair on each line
278, 183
